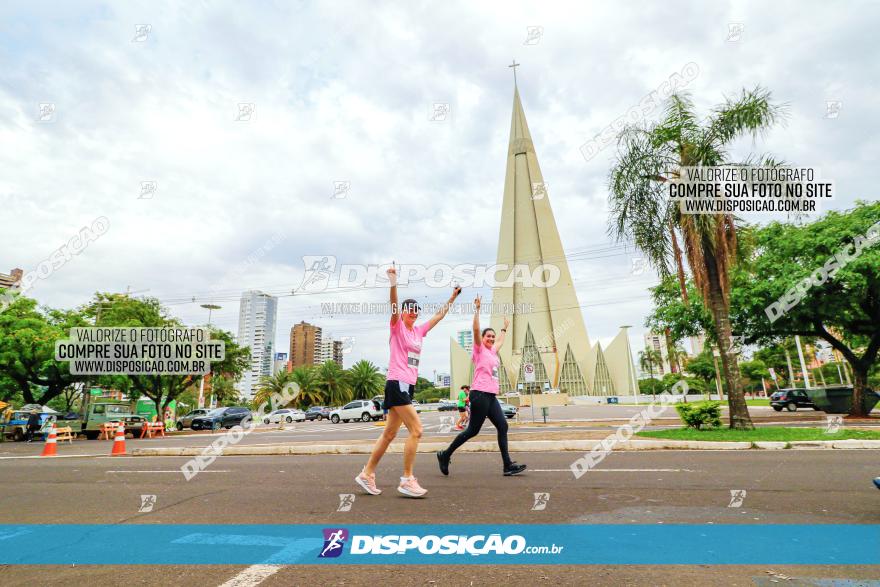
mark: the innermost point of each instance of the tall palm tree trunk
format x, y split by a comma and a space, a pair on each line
736, 401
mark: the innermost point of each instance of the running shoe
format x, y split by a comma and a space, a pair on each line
513, 469
443, 460
368, 482
459, 427
877, 482
410, 487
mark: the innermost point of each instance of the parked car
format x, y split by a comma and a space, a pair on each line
361, 409
318, 413
286, 414
186, 421
508, 410
447, 405
221, 418
791, 400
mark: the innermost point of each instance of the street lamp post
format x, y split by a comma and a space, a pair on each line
201, 404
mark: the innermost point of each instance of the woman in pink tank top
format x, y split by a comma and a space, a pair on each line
484, 396
403, 370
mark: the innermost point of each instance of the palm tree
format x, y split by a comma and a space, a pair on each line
310, 393
649, 157
224, 390
647, 359
365, 380
333, 382
269, 386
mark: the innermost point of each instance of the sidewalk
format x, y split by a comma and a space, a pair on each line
554, 445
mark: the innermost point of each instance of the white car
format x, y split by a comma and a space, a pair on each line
287, 415
360, 409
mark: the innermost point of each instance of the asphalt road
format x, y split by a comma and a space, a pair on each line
782, 487
436, 424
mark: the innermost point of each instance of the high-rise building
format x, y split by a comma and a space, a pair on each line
309, 346
550, 341
280, 363
698, 343
305, 344
466, 339
12, 279
256, 330
331, 350
656, 341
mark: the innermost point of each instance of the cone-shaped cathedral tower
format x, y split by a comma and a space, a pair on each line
552, 337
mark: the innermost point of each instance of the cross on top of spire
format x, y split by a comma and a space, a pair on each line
514, 65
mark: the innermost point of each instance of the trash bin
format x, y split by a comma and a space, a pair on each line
838, 399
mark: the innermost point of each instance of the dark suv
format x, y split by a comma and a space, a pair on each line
221, 418
318, 413
791, 400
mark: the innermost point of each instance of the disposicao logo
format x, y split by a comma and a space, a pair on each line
334, 540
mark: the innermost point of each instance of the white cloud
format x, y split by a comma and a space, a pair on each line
343, 93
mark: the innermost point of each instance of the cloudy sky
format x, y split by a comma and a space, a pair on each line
344, 92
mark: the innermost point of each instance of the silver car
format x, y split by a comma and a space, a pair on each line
186, 421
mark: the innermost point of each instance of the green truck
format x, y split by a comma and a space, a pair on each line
88, 421
94, 415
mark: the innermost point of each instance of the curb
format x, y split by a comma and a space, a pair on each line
515, 446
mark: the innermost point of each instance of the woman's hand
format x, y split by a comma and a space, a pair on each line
392, 276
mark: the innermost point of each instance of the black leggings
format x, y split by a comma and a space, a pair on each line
484, 405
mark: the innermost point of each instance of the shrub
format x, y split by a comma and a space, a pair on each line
700, 414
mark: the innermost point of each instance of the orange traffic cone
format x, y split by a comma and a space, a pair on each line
51, 447
119, 442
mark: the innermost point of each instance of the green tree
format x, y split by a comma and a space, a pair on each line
648, 359
269, 386
703, 368
752, 372
115, 310
641, 211
27, 350
224, 392
650, 386
365, 380
333, 382
310, 392
827, 274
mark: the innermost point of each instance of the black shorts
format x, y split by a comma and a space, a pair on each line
460, 409
395, 397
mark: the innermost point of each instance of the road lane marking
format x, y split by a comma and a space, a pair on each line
168, 471
253, 575
616, 470
55, 457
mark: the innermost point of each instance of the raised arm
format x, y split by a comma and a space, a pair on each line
444, 309
395, 310
476, 326
499, 340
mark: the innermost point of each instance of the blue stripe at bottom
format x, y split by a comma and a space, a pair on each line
613, 544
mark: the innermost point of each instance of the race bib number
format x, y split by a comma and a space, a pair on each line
412, 359
495, 373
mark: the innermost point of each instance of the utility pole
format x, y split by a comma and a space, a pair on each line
201, 402
797, 340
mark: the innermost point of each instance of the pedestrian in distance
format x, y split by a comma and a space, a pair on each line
462, 406
403, 370
33, 425
484, 396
